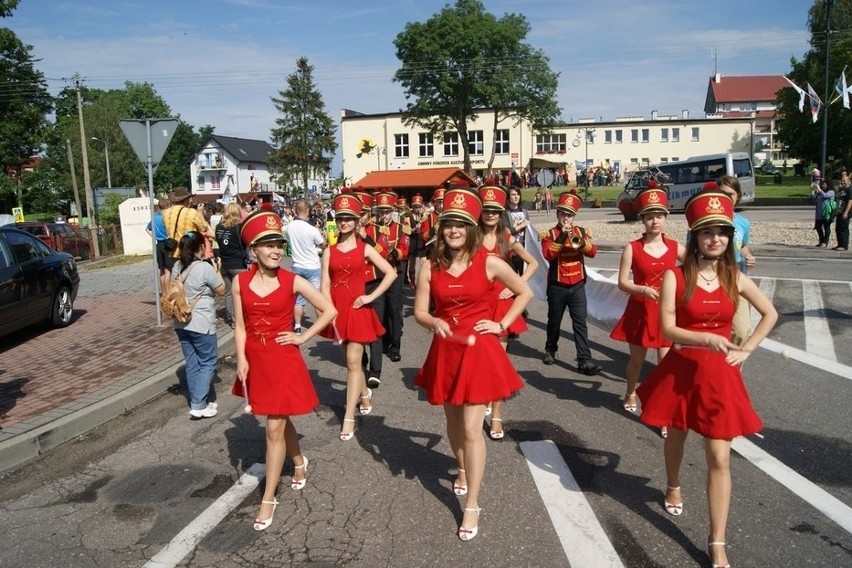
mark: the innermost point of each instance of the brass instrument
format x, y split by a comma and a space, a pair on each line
577, 242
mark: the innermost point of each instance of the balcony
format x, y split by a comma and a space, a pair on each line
211, 162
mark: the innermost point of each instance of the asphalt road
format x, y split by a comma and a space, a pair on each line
119, 495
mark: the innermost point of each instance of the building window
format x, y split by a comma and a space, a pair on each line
664, 160
475, 144
664, 135
675, 159
451, 143
501, 142
607, 136
675, 134
201, 181
618, 137
426, 148
215, 182
646, 135
634, 135
400, 145
550, 143
634, 160
695, 134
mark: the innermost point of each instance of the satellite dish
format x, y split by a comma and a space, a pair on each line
545, 178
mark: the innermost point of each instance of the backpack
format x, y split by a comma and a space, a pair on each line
173, 301
830, 210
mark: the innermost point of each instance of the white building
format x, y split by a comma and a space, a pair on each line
623, 144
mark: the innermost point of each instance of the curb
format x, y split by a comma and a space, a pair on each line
59, 425
775, 251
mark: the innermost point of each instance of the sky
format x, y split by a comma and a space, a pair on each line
219, 62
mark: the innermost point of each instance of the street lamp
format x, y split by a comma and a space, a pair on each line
588, 132
106, 153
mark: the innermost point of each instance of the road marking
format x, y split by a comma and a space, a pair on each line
833, 367
767, 286
583, 539
818, 338
811, 493
187, 539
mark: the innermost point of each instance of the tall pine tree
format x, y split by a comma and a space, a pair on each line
304, 133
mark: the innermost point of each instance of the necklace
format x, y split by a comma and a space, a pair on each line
708, 280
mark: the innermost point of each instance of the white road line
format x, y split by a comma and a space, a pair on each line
767, 286
818, 338
187, 539
582, 537
811, 493
833, 367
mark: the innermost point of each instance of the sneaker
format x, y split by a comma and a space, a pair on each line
549, 358
374, 382
297, 329
588, 367
208, 412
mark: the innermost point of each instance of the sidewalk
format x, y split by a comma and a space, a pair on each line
58, 384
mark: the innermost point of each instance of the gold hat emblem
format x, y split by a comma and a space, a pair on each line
459, 201
383, 199
714, 205
271, 222
653, 197
489, 195
344, 203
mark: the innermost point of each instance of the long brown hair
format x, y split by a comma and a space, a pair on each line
442, 256
726, 268
501, 232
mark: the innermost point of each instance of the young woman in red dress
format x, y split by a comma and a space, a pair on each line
498, 241
647, 258
264, 297
698, 385
344, 278
460, 282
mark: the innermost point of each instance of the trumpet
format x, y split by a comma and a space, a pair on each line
577, 242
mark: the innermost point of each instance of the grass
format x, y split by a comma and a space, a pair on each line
111, 261
791, 186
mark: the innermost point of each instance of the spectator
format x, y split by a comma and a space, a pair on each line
823, 196
305, 243
231, 252
844, 204
164, 259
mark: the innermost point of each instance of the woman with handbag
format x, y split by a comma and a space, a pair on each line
202, 282
232, 253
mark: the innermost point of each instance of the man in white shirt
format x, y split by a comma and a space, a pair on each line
305, 243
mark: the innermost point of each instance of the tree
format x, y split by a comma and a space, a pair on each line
797, 130
462, 60
24, 101
304, 133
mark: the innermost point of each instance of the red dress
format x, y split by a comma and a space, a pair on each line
348, 281
640, 324
278, 380
453, 371
694, 388
502, 306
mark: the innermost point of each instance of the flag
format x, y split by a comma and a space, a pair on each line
842, 89
816, 103
801, 93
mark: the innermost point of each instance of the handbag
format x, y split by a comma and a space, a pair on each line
171, 244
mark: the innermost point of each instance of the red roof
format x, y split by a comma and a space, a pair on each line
408, 182
747, 88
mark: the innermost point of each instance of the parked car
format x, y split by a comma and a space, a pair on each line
37, 284
59, 236
769, 169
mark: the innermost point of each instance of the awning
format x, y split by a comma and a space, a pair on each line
410, 182
538, 163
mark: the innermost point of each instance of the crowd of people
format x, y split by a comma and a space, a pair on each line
465, 258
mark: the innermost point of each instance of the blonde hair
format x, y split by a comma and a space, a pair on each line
233, 215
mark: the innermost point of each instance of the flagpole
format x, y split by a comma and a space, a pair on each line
823, 146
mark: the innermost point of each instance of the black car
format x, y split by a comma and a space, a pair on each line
37, 284
769, 169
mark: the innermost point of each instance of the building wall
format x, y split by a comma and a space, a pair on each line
565, 144
213, 169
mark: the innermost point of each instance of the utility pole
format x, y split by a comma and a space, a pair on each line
826, 93
87, 182
74, 184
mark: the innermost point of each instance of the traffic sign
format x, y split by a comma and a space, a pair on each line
136, 131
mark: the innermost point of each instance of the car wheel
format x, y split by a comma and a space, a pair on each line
63, 307
84, 254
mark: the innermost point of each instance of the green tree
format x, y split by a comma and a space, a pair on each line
24, 101
304, 135
464, 59
797, 130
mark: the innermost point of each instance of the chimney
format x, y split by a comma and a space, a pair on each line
653, 115
717, 78
684, 114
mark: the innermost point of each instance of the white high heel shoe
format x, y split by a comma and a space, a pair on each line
297, 484
263, 525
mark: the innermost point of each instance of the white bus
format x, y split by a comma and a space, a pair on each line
685, 178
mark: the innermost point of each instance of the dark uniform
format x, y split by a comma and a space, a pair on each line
566, 283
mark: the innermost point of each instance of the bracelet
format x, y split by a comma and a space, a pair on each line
502, 327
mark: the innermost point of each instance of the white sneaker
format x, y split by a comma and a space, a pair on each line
208, 412
374, 382
297, 329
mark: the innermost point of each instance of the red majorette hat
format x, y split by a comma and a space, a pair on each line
385, 200
347, 206
709, 209
366, 200
261, 226
653, 199
417, 200
493, 197
461, 205
438, 195
401, 202
569, 202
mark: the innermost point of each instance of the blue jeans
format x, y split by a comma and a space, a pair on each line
312, 275
200, 350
